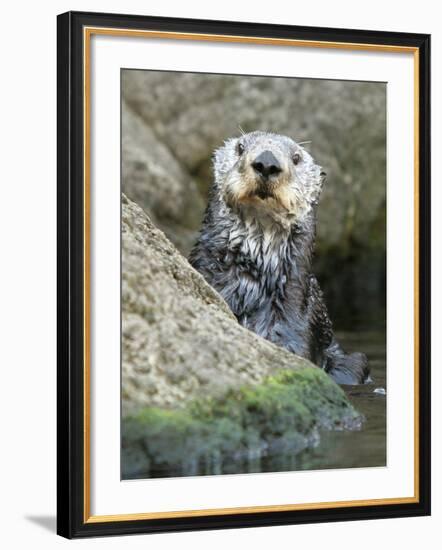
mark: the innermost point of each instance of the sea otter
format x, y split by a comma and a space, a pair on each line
256, 248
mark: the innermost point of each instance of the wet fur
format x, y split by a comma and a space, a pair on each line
256, 248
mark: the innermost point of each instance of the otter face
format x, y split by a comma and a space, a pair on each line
268, 176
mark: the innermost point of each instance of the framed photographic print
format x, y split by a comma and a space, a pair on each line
243, 274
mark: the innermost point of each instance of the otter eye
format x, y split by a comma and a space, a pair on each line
296, 158
240, 148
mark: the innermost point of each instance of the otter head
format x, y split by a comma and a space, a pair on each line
267, 176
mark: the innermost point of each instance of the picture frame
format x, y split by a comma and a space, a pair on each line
75, 30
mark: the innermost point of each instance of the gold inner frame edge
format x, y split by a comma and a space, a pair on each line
87, 33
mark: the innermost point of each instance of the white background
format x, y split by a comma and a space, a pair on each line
27, 289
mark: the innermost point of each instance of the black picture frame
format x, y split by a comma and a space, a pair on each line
72, 521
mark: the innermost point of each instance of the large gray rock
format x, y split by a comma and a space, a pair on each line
155, 179
180, 339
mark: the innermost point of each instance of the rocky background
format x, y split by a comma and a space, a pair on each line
172, 122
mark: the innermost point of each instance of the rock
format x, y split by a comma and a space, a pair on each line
193, 378
180, 339
252, 428
188, 115
154, 178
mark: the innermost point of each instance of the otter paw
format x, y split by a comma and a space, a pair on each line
349, 369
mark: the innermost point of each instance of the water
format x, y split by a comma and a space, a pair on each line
367, 447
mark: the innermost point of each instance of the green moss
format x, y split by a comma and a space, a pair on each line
214, 435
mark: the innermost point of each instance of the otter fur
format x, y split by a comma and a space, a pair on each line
256, 248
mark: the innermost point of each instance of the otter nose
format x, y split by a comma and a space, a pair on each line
266, 164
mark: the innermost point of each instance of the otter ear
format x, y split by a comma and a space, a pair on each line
317, 187
322, 178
